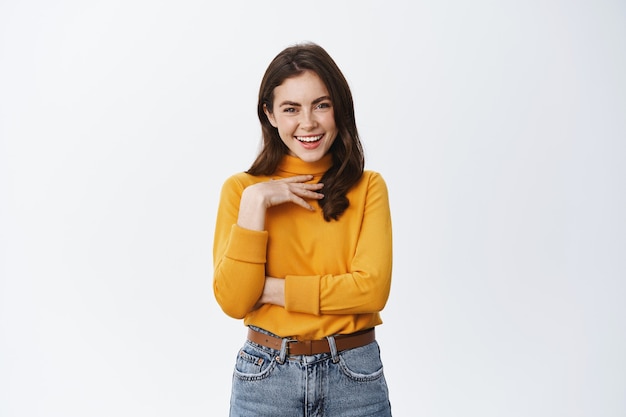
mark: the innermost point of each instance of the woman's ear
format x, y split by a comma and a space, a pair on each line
270, 115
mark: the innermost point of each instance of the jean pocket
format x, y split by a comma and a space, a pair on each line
253, 364
362, 363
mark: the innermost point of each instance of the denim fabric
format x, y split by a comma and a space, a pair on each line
345, 384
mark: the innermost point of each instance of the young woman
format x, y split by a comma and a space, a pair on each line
303, 252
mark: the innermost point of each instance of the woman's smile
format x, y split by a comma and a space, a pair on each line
309, 139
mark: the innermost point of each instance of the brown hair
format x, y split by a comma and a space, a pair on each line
347, 151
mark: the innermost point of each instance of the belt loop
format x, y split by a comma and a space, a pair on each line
333, 348
283, 351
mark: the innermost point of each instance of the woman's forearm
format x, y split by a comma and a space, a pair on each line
273, 292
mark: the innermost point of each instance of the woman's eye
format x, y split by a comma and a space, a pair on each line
289, 110
323, 106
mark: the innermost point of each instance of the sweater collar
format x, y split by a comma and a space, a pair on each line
296, 166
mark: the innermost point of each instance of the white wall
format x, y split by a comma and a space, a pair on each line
499, 126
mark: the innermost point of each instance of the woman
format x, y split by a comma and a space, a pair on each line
303, 251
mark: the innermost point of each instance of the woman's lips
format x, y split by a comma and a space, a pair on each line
309, 139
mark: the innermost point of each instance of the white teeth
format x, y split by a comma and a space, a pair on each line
309, 138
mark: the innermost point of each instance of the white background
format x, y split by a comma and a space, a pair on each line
499, 127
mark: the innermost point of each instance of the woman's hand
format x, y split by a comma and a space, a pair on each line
257, 198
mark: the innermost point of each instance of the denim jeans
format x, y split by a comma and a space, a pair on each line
267, 382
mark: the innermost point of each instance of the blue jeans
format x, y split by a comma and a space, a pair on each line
267, 382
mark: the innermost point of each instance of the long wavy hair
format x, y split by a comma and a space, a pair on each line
347, 151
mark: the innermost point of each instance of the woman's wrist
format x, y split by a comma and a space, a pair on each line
251, 211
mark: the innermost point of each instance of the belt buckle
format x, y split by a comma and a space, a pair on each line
288, 346
305, 347
284, 350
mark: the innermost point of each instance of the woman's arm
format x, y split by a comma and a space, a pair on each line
365, 288
240, 243
273, 292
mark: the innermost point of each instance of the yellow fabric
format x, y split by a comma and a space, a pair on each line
338, 273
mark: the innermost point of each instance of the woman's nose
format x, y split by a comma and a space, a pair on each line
308, 120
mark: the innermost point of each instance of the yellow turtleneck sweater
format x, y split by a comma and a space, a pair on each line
337, 274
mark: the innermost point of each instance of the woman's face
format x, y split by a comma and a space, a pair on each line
304, 116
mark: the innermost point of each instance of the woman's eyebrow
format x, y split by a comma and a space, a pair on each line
323, 98
289, 103
294, 104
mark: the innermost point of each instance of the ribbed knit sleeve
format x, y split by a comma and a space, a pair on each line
365, 288
239, 257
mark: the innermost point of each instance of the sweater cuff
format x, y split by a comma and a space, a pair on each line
302, 294
247, 245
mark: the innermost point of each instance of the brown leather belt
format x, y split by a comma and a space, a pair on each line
313, 347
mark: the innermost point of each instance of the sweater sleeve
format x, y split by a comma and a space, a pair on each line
365, 288
239, 256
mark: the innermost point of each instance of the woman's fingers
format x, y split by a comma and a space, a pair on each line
302, 203
307, 190
292, 189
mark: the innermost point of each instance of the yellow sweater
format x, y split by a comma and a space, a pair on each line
337, 274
